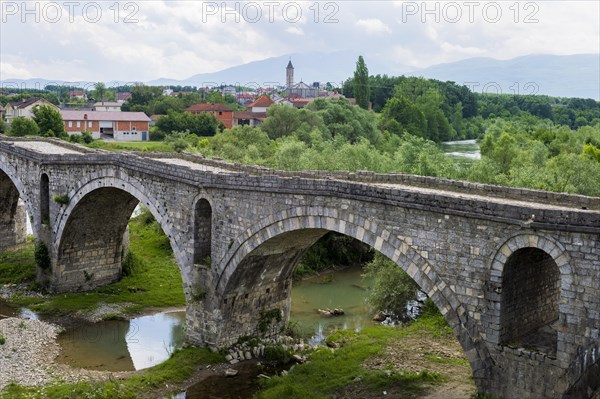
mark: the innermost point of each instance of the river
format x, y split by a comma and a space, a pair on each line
468, 149
145, 341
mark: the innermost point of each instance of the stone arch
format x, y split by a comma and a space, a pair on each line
89, 194
553, 275
312, 223
12, 174
13, 203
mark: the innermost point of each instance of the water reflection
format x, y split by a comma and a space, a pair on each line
7, 310
123, 345
462, 149
345, 289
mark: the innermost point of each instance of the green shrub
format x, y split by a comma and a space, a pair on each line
266, 318
2, 339
277, 354
61, 199
41, 255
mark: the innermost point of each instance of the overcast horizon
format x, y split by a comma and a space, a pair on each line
146, 40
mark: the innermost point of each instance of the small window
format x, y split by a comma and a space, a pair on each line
70, 123
78, 124
90, 124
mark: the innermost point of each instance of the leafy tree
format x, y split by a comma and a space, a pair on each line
21, 126
400, 115
392, 288
243, 144
342, 119
143, 95
202, 124
50, 121
362, 92
281, 121
100, 92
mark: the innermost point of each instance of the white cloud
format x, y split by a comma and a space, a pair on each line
8, 70
294, 30
373, 26
178, 39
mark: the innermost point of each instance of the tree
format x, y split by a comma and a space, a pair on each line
392, 288
49, 120
362, 92
21, 126
400, 115
100, 91
203, 124
282, 120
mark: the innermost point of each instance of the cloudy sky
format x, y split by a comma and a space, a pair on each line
145, 40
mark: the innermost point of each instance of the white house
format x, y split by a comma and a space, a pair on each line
107, 106
25, 108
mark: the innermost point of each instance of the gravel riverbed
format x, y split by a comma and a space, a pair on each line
28, 353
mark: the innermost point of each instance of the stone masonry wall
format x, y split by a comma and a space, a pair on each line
453, 238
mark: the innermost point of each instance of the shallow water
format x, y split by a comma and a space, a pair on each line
123, 345
344, 289
7, 310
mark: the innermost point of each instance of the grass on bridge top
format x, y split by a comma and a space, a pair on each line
145, 146
154, 280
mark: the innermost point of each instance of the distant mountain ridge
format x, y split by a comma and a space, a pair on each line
555, 75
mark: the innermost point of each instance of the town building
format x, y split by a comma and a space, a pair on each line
260, 104
77, 95
119, 126
107, 106
123, 97
25, 108
221, 112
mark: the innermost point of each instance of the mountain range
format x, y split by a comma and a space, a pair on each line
575, 75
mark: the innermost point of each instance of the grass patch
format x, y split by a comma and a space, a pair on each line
330, 372
182, 364
153, 278
145, 146
19, 266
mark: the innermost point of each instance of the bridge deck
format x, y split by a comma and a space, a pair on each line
44, 147
194, 165
486, 198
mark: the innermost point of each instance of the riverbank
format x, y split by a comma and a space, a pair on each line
151, 279
422, 360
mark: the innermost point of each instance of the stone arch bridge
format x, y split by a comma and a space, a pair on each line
515, 272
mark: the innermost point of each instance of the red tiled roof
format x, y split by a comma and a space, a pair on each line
28, 102
301, 102
76, 93
262, 101
104, 116
208, 107
124, 96
155, 117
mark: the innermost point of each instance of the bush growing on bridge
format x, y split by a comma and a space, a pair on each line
41, 255
61, 199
